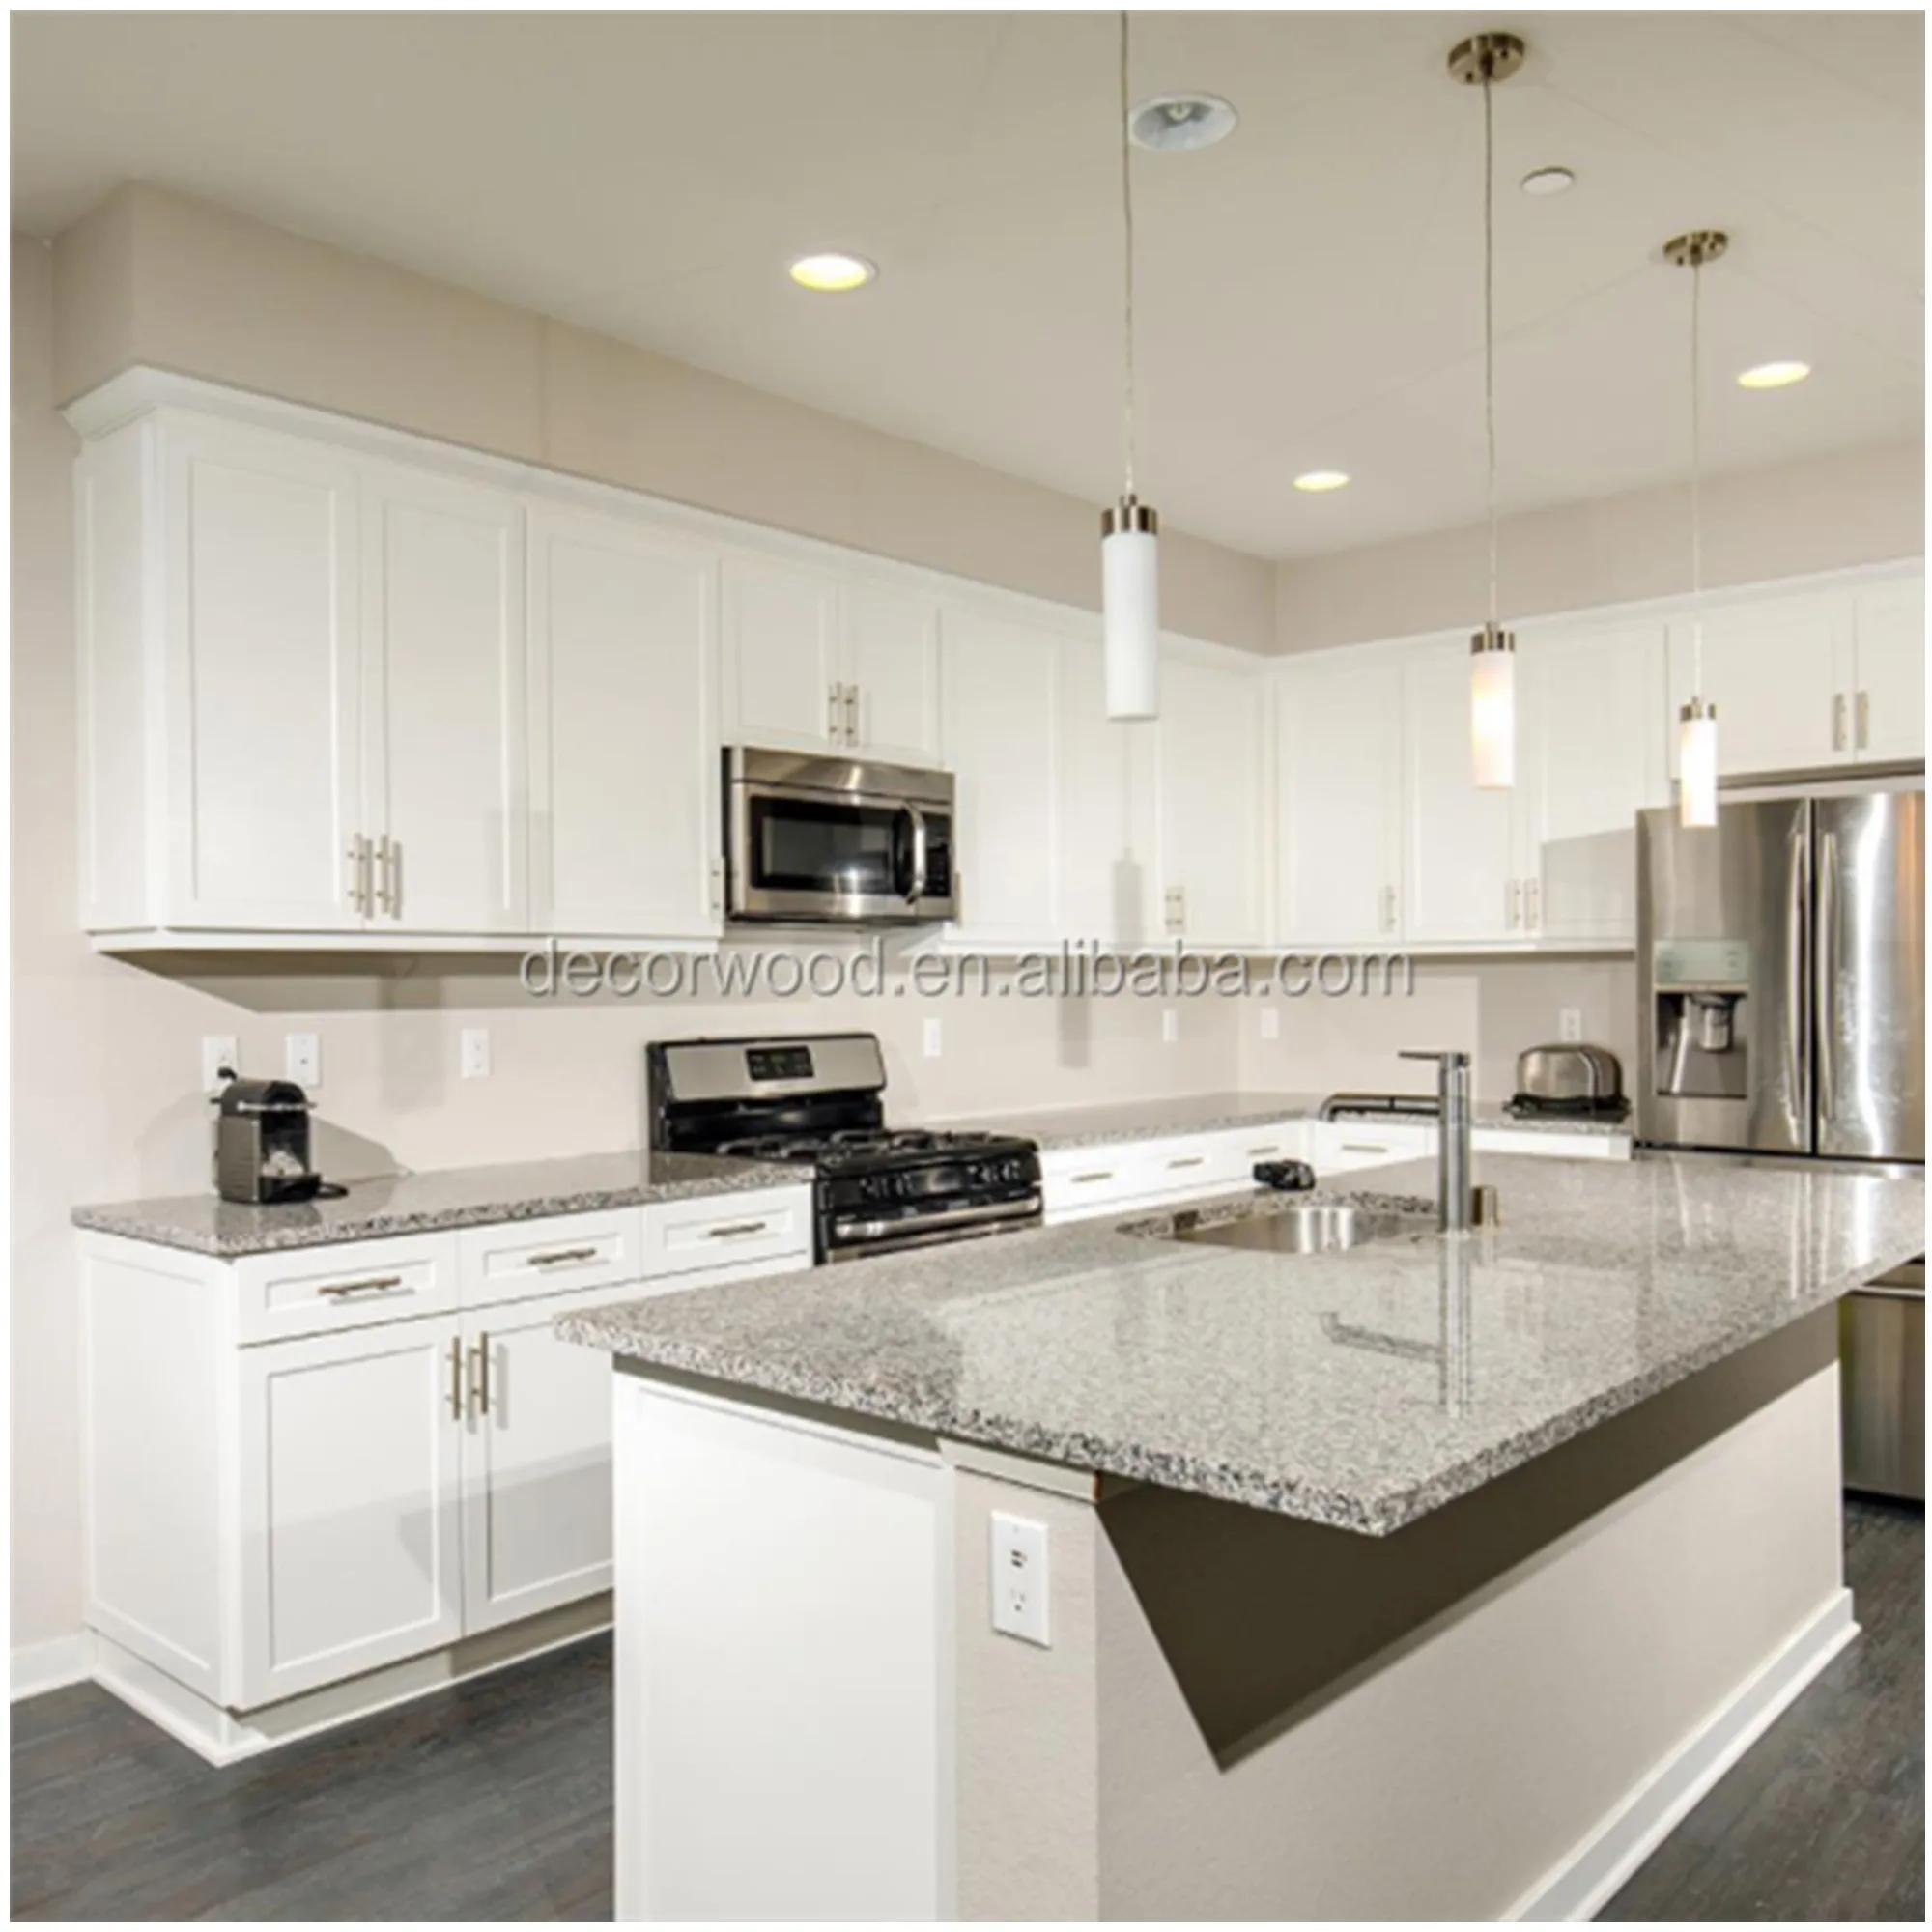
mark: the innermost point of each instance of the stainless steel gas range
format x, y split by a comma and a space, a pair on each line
818, 1101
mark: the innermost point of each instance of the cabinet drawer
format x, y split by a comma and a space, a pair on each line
1342, 1145
320, 1290
514, 1259
726, 1229
1559, 1147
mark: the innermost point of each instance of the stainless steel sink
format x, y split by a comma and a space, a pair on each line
1311, 1228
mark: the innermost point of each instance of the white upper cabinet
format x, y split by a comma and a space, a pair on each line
1338, 797
1888, 675
1771, 668
1461, 884
890, 670
783, 687
1000, 688
263, 666
444, 778
1591, 750
1106, 811
1212, 736
625, 834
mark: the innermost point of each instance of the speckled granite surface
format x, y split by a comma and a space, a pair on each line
417, 1203
1126, 1120
1360, 1389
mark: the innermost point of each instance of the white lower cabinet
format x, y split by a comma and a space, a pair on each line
349, 1455
301, 1467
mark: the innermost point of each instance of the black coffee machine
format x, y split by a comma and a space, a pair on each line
262, 1144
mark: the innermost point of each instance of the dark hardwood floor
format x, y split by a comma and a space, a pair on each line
492, 1800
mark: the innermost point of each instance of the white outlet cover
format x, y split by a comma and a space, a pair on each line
1019, 1578
302, 1059
1270, 1023
217, 1050
475, 1051
934, 1039
1570, 1023
1170, 1026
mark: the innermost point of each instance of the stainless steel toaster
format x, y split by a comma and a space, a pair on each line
1568, 1076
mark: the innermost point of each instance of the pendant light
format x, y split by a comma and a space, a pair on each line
1129, 531
1697, 721
1482, 61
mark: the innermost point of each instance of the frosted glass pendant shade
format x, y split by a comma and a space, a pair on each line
1493, 707
1131, 608
1697, 764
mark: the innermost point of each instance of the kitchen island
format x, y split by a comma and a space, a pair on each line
1429, 1578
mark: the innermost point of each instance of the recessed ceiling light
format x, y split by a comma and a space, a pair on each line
832, 273
1774, 375
1172, 124
1315, 481
1546, 181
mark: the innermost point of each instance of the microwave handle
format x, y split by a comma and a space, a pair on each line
916, 890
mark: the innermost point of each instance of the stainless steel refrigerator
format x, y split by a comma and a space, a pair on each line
1781, 1010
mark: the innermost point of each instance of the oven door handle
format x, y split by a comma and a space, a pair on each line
916, 889
947, 1218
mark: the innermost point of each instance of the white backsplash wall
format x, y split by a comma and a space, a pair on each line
1492, 1008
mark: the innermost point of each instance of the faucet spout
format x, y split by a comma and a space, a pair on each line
1455, 1212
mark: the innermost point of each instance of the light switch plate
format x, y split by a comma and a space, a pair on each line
303, 1059
476, 1049
934, 1039
1019, 1578
1270, 1023
1570, 1023
1170, 1026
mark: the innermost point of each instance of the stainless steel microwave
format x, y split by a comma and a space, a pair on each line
831, 841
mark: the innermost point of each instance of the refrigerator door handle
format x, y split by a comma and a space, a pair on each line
1825, 971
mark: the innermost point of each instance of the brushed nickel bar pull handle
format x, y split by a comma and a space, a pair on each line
456, 1378
1273, 1146
731, 1228
1187, 1160
376, 1284
1087, 1179
1838, 720
1533, 897
831, 731
1364, 1147
358, 856
851, 713
386, 892
1864, 720
557, 1255
479, 1372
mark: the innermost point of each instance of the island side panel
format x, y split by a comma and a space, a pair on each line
1513, 1754
785, 1664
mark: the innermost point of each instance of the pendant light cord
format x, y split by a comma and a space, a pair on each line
1697, 475
1489, 322
1128, 225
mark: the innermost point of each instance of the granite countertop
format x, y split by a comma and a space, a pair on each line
1360, 1389
1124, 1121
416, 1203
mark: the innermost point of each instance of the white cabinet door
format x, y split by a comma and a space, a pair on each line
348, 1449
1591, 756
443, 569
1106, 811
536, 1463
1211, 737
260, 539
782, 686
889, 665
999, 684
1459, 878
1888, 690
1338, 791
624, 755
1772, 669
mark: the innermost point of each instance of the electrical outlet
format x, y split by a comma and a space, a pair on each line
1170, 1026
1270, 1023
475, 1053
302, 1059
934, 1039
1019, 1578
1570, 1023
217, 1050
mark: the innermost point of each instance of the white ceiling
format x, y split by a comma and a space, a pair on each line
1310, 290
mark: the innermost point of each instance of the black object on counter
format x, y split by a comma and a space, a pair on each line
1291, 1177
262, 1144
1576, 1107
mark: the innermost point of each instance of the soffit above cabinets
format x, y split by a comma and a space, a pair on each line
1310, 289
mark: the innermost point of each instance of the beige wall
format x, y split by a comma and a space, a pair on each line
1826, 513
152, 277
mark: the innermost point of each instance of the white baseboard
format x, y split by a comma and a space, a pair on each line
1594, 1870
48, 1665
